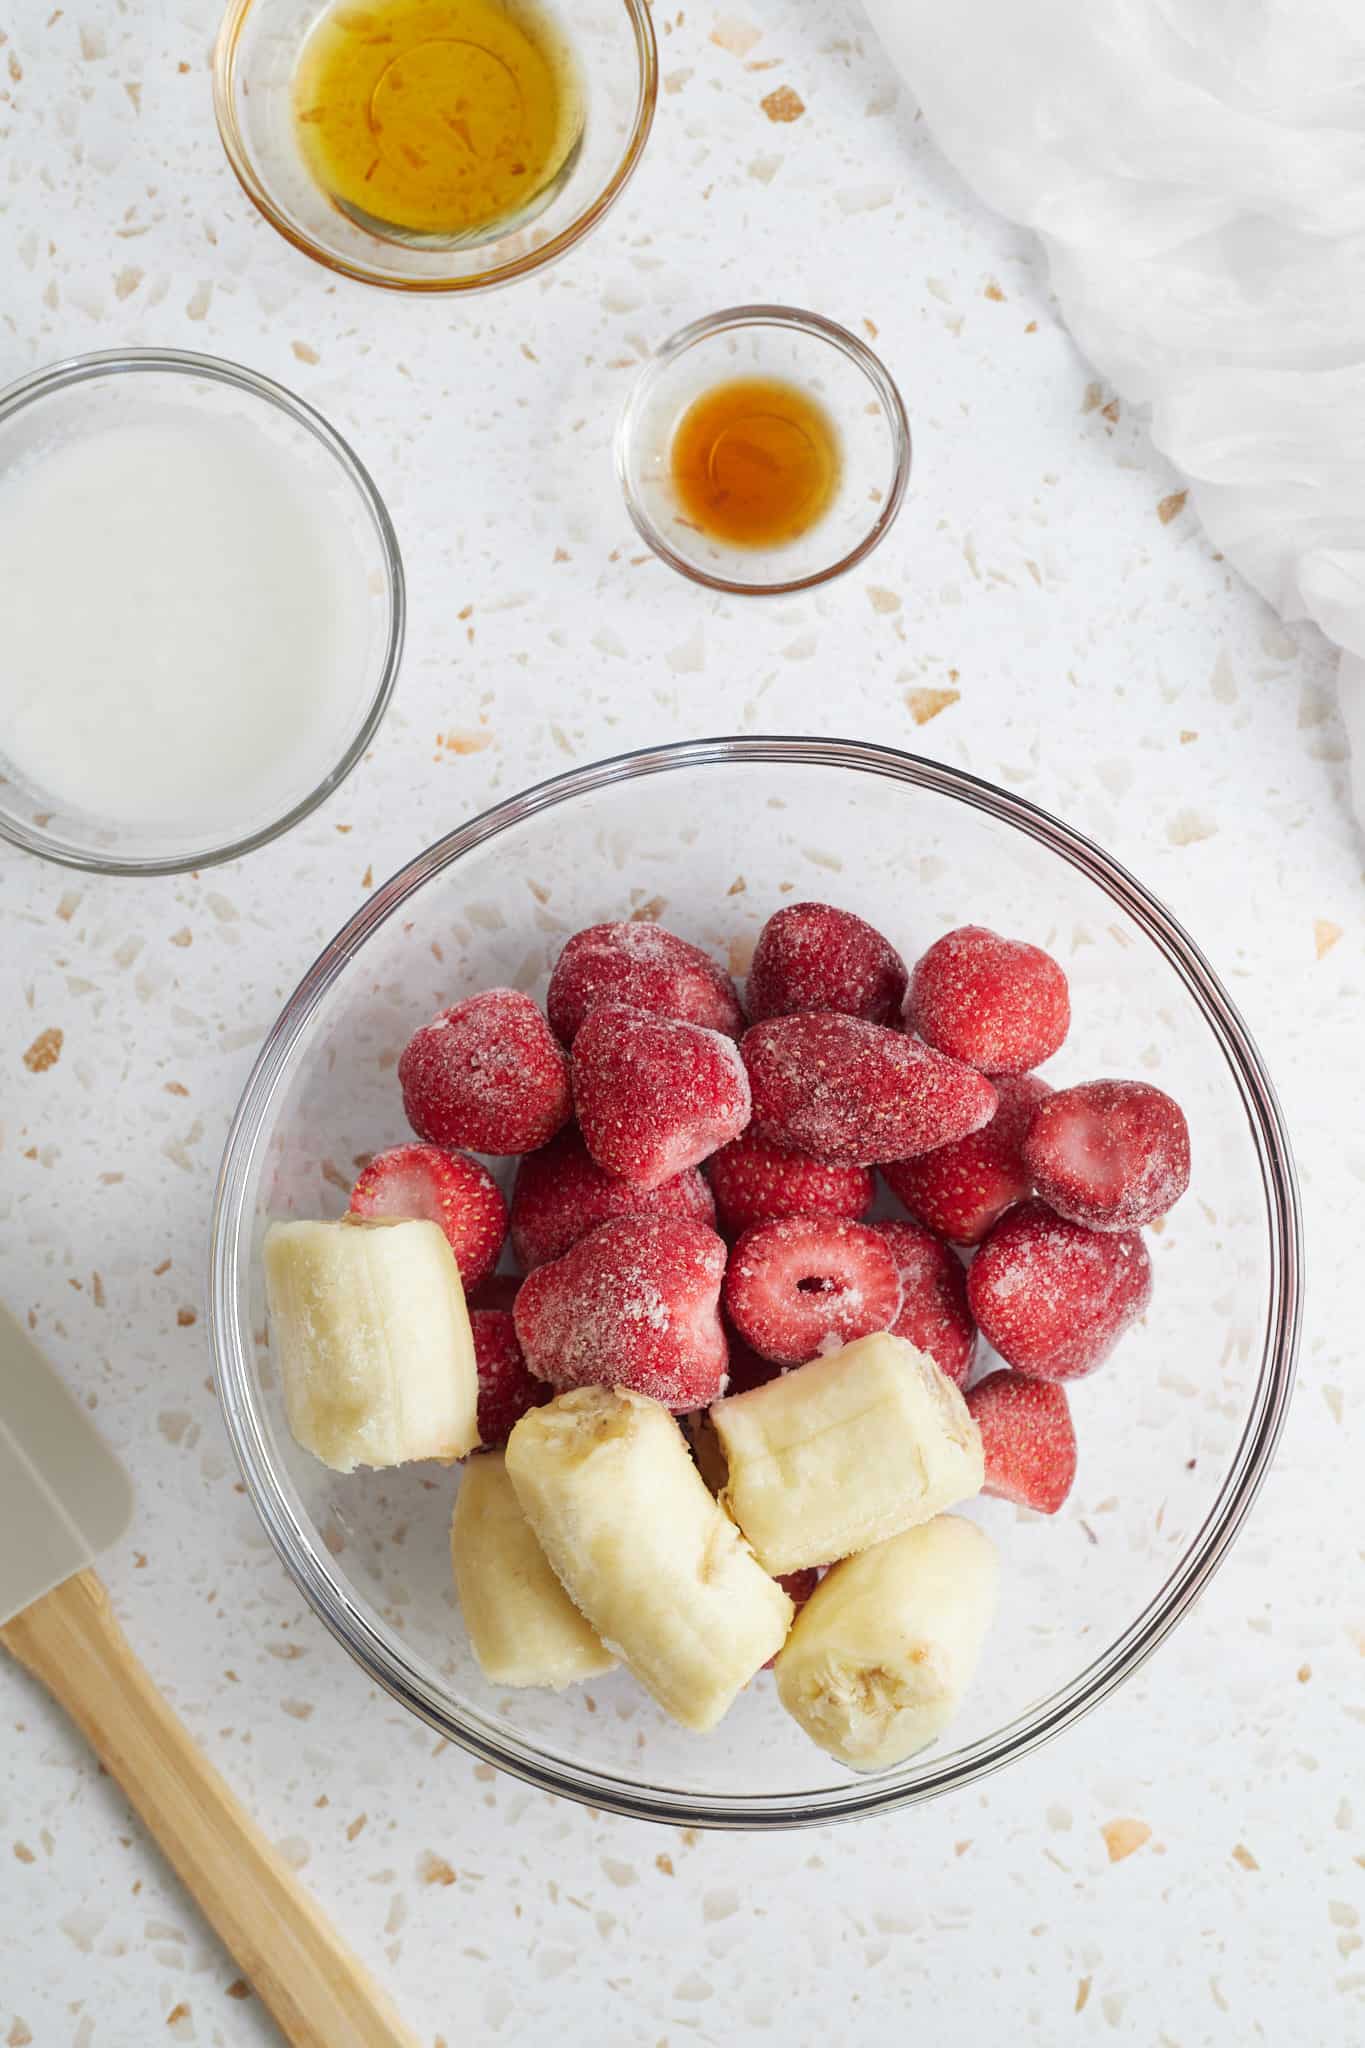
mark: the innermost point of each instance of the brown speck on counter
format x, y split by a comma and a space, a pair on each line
177, 2013
783, 105
186, 1317
1171, 508
1241, 1854
45, 1050
23, 1854
1082, 1994
356, 1825
305, 352
736, 37
184, 937
239, 1988
927, 704
664, 1864
1325, 935
1123, 1837
433, 1869
993, 291
1032, 327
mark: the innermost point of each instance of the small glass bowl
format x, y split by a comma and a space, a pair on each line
1176, 1435
70, 398
254, 62
797, 348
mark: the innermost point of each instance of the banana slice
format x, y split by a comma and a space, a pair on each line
371, 1336
845, 1452
663, 1575
883, 1650
523, 1627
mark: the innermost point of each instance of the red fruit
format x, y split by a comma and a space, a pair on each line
934, 1315
654, 1096
961, 1190
746, 1369
798, 1587
487, 1074
1028, 1439
855, 1093
754, 1182
647, 967
804, 1285
1054, 1298
811, 956
996, 1003
561, 1193
498, 1292
635, 1304
506, 1389
442, 1187
1110, 1154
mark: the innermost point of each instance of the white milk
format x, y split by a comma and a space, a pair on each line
184, 617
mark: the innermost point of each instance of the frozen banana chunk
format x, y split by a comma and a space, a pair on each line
371, 1336
523, 1627
663, 1575
883, 1650
844, 1452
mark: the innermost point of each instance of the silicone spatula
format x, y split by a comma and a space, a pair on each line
63, 1498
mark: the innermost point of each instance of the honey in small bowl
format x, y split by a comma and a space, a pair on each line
437, 122
754, 462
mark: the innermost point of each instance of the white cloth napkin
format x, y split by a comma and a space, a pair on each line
1196, 170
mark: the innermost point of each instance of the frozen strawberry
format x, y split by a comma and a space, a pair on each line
811, 956
560, 1194
1054, 1298
498, 1291
440, 1187
961, 1190
806, 1285
754, 1182
1028, 1439
647, 967
635, 1304
746, 1369
854, 1093
654, 1096
998, 1004
798, 1587
934, 1314
487, 1074
1110, 1154
506, 1389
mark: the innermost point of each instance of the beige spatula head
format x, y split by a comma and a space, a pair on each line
64, 1496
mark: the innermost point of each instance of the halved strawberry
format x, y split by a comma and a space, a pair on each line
961, 1190
934, 1314
649, 968
506, 1388
654, 1096
804, 1285
999, 1004
561, 1193
811, 956
1054, 1298
442, 1187
754, 1182
1110, 1154
1028, 1439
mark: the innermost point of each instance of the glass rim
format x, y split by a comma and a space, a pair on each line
243, 168
818, 327
374, 1645
73, 370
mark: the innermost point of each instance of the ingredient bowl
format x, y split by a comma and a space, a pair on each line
1176, 1432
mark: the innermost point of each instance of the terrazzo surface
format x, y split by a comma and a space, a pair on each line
1187, 1867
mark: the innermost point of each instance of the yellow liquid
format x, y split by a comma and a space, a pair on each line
437, 120
755, 461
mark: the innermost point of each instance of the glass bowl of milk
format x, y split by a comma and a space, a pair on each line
202, 605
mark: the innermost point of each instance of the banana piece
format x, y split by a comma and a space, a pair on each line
372, 1340
845, 1452
523, 1627
663, 1575
883, 1650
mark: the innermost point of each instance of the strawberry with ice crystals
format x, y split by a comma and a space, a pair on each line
961, 1190
440, 1187
754, 1182
647, 967
506, 1389
855, 1093
1054, 1298
561, 1193
654, 1096
487, 1074
934, 1315
635, 1304
998, 1004
1110, 1154
811, 956
805, 1285
1027, 1437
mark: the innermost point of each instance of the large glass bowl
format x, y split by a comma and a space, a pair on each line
1176, 1431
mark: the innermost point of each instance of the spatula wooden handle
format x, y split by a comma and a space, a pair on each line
317, 1991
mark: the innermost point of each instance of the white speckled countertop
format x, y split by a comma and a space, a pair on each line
1046, 614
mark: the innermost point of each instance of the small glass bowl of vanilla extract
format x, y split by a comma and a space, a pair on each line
764, 450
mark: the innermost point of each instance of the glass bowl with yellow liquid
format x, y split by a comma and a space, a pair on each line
764, 450
434, 145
